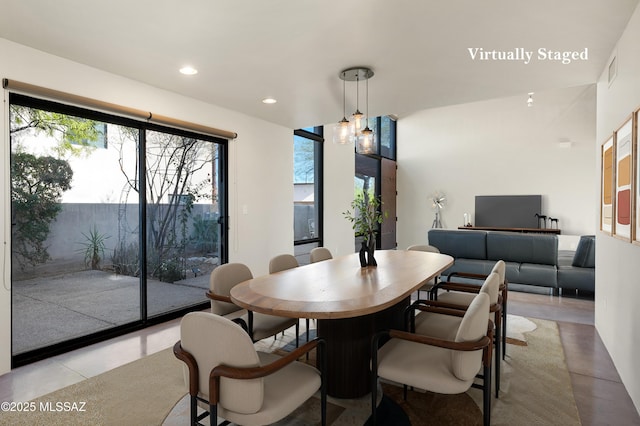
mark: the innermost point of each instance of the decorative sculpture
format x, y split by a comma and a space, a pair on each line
544, 220
437, 203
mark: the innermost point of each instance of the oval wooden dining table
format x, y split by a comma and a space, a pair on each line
350, 303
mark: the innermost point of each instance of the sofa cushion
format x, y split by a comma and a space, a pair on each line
524, 248
585, 256
537, 274
459, 244
573, 277
565, 257
472, 266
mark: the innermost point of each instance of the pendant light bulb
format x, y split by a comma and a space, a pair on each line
365, 139
357, 116
342, 132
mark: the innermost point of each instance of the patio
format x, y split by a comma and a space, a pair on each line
51, 309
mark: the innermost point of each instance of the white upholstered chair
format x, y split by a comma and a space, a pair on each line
430, 249
235, 382
451, 283
424, 247
446, 366
282, 262
319, 254
260, 326
433, 322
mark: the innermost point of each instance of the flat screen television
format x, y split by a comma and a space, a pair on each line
508, 211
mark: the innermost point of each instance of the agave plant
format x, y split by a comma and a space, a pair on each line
94, 247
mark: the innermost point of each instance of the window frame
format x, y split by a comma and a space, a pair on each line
378, 156
318, 154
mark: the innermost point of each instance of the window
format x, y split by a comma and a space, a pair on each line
384, 142
115, 224
386, 127
307, 190
375, 174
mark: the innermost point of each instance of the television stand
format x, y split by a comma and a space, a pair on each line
521, 230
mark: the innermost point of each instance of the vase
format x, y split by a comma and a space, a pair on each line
363, 255
371, 260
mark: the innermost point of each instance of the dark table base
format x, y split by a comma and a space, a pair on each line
349, 349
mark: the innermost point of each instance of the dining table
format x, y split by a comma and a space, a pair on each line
350, 303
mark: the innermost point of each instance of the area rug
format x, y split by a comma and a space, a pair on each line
536, 389
141, 393
536, 385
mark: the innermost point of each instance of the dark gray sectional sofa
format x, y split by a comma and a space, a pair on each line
532, 259
578, 269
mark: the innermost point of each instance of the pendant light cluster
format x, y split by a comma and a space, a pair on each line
357, 128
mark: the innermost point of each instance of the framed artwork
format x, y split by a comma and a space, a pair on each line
623, 172
636, 180
606, 187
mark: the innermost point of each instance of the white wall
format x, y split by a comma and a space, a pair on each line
617, 266
499, 147
260, 164
339, 171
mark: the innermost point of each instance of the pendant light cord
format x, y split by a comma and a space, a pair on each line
367, 126
344, 96
358, 91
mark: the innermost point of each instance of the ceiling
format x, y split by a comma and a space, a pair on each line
293, 50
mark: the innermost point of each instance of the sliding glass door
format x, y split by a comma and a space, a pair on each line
114, 222
182, 219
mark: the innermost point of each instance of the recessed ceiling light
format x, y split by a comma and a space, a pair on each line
269, 101
188, 70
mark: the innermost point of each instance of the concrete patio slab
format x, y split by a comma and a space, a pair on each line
50, 310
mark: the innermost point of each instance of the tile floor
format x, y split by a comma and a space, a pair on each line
599, 393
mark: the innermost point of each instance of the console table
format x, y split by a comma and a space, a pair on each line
555, 231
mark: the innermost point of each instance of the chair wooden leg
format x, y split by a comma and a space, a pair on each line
250, 325
321, 354
486, 396
497, 357
505, 294
307, 354
504, 327
374, 397
374, 379
297, 334
194, 411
